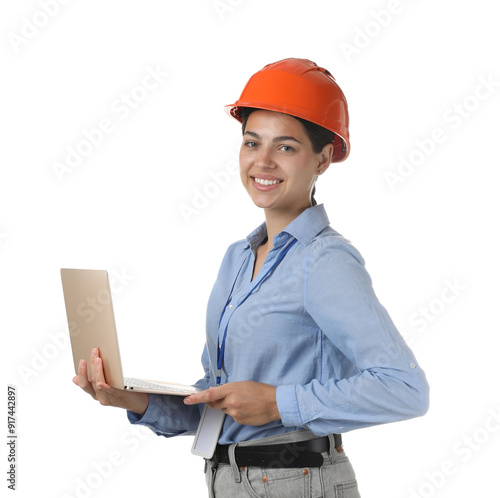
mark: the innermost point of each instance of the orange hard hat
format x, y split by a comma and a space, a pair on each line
300, 88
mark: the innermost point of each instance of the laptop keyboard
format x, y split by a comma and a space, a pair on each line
144, 384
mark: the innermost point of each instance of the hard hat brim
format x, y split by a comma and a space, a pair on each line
341, 147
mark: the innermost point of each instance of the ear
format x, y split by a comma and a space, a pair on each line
325, 158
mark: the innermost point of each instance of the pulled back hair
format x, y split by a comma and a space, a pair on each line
318, 135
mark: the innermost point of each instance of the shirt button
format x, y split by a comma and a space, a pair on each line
231, 306
412, 365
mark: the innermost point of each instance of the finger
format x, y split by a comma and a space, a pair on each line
83, 380
99, 372
93, 357
218, 405
197, 398
208, 396
102, 389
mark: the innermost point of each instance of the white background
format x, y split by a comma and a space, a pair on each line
411, 71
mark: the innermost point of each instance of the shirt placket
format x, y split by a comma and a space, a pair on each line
240, 295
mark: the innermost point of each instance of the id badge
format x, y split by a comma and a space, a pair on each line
208, 432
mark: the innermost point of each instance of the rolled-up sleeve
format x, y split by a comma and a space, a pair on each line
386, 383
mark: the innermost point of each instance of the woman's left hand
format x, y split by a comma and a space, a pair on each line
247, 402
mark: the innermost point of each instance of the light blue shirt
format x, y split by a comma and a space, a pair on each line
315, 328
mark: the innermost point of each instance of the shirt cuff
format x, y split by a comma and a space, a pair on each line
149, 417
288, 406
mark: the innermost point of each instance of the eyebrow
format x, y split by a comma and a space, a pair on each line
275, 139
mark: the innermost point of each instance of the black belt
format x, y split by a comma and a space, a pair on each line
288, 455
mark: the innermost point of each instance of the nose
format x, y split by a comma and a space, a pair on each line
264, 159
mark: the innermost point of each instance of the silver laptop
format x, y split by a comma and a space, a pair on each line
91, 323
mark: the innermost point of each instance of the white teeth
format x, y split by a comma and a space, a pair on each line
266, 182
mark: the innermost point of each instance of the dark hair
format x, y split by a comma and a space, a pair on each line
318, 135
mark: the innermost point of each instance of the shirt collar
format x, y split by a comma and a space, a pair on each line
304, 228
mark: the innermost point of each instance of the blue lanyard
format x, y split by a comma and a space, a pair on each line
221, 347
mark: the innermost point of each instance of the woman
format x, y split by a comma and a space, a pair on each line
297, 342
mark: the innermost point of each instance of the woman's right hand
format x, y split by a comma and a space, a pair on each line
106, 395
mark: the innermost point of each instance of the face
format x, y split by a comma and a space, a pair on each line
278, 165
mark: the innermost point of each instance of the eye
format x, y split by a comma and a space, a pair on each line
250, 144
287, 148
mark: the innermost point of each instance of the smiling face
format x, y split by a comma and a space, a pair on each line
278, 165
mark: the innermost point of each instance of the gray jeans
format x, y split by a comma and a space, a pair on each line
335, 478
